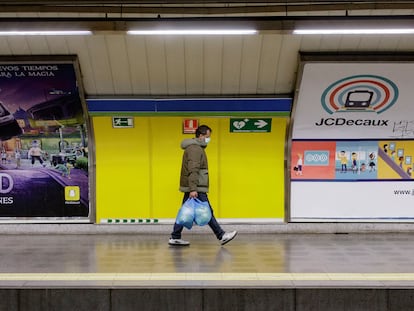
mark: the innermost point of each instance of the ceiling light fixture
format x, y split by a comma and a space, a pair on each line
45, 33
384, 31
185, 32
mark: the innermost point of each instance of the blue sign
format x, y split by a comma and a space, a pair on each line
317, 158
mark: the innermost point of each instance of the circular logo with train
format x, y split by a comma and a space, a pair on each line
361, 93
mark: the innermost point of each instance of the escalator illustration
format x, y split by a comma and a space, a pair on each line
392, 164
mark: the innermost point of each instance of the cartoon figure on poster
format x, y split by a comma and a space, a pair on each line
372, 161
354, 158
343, 159
299, 165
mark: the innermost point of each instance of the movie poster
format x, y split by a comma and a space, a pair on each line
44, 142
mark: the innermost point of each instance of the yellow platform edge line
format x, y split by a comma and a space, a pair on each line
207, 276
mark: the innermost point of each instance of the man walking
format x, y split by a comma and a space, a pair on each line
194, 183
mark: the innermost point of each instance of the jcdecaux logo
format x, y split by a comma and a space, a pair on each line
360, 93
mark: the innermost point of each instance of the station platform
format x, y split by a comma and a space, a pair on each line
250, 260
255, 271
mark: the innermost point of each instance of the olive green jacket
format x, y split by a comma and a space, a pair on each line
194, 168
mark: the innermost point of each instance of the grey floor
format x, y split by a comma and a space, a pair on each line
247, 253
281, 259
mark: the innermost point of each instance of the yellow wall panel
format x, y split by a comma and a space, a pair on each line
122, 169
166, 153
137, 169
252, 172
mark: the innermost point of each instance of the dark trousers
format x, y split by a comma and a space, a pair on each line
214, 225
39, 158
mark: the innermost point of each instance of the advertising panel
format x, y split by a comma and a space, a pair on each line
43, 142
353, 143
355, 101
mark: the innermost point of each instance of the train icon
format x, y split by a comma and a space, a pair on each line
358, 100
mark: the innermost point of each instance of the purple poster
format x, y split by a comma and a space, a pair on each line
43, 142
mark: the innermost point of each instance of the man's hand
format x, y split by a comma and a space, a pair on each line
193, 194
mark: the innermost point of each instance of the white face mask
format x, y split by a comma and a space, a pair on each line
207, 140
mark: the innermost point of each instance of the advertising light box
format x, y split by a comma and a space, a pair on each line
43, 141
353, 142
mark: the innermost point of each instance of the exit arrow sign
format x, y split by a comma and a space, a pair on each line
122, 122
251, 125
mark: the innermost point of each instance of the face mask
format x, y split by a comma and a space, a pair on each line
207, 140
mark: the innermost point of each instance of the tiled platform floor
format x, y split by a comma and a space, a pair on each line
251, 260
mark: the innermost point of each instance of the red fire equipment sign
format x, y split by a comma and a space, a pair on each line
190, 126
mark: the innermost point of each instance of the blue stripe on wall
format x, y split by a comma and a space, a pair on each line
186, 105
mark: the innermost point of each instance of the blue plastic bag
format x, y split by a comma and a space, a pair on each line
186, 214
202, 212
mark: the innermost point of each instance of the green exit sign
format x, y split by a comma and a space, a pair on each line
251, 125
122, 122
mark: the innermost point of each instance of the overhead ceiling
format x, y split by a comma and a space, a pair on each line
114, 63
204, 7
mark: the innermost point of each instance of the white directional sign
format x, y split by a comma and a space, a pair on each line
122, 122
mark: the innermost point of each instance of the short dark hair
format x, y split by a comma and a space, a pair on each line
202, 130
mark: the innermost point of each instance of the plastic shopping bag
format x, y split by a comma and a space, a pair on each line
202, 212
185, 215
